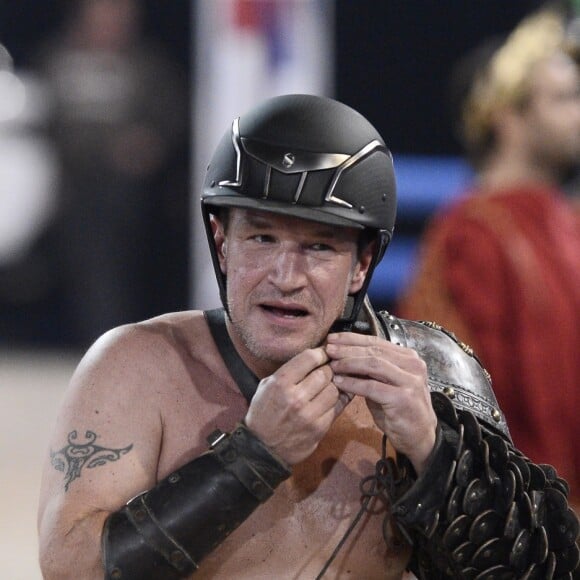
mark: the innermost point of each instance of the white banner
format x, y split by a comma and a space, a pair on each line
247, 51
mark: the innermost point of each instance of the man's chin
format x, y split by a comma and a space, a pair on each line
280, 349
278, 354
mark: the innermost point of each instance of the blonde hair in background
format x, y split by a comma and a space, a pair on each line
505, 80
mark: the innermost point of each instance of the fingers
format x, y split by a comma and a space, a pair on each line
376, 359
294, 407
393, 379
301, 365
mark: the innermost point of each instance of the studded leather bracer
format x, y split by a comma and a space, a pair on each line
163, 533
481, 509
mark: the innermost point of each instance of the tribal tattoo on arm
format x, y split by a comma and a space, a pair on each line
77, 455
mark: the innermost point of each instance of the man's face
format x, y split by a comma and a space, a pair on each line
287, 282
553, 114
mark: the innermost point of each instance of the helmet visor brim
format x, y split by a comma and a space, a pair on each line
310, 213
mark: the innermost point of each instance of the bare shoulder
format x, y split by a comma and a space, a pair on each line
136, 408
143, 360
145, 349
160, 382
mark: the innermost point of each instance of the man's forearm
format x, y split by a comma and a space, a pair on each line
166, 531
71, 550
482, 507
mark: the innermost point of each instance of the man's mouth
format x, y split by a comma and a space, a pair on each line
285, 312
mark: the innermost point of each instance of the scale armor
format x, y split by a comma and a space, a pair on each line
486, 511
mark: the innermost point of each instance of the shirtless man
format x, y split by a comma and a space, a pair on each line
299, 205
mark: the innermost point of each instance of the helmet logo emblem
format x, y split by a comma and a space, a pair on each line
288, 160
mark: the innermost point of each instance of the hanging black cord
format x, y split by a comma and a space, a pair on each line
380, 484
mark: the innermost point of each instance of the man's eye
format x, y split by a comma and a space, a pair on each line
321, 247
263, 238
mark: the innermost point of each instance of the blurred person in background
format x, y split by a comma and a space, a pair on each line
501, 267
119, 115
572, 45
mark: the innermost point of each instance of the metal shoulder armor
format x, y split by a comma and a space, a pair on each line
452, 366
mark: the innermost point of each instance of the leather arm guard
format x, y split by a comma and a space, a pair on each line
482, 510
164, 532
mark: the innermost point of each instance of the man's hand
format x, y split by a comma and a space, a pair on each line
293, 409
393, 379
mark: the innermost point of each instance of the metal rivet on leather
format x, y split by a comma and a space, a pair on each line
520, 556
230, 455
456, 532
476, 498
464, 552
454, 504
465, 469
507, 489
492, 553
485, 526
257, 486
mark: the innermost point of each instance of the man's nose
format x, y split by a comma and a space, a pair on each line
289, 269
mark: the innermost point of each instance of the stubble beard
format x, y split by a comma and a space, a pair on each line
262, 351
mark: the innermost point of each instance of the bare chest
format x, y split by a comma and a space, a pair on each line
294, 533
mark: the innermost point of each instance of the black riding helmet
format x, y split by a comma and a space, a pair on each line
310, 157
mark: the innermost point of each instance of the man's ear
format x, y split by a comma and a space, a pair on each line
220, 241
361, 267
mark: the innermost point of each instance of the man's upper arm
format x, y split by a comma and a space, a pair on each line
105, 445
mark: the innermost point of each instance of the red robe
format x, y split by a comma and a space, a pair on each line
502, 270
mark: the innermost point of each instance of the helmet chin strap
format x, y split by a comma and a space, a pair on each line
351, 320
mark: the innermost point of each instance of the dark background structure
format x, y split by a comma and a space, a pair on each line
392, 62
392, 56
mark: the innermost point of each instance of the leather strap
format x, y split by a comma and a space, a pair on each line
165, 532
246, 380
